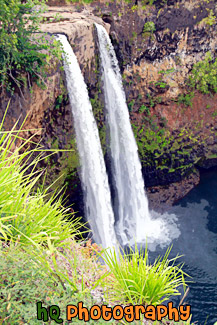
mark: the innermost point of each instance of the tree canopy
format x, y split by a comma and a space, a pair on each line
21, 55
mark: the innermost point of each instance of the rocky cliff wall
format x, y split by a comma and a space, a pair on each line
157, 47
174, 124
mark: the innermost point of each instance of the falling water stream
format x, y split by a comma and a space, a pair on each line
131, 204
97, 197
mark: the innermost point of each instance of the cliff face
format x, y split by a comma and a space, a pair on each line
157, 46
174, 122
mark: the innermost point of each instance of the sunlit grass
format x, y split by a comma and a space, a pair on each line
136, 281
27, 212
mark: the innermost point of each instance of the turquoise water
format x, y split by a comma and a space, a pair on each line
197, 221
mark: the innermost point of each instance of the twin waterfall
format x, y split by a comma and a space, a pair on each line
133, 222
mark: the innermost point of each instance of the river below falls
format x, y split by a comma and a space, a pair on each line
197, 221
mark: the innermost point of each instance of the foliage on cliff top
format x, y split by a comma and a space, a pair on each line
22, 52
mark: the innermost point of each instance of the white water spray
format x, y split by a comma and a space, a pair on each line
135, 223
93, 172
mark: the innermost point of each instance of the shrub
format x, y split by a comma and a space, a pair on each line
151, 2
22, 284
145, 109
210, 20
131, 104
161, 84
204, 75
149, 27
186, 99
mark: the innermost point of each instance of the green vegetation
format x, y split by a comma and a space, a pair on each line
151, 2
60, 100
131, 104
203, 78
148, 29
162, 150
141, 282
161, 84
33, 215
134, 8
54, 275
204, 75
210, 20
186, 99
145, 109
40, 259
166, 72
23, 283
24, 54
214, 114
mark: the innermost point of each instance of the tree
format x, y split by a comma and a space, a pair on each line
21, 55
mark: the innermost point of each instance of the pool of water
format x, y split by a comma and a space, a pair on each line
197, 221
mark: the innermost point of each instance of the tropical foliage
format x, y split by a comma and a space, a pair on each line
24, 53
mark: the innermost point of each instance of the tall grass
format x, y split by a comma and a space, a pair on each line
30, 274
24, 211
139, 282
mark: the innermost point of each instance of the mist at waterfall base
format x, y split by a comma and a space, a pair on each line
197, 221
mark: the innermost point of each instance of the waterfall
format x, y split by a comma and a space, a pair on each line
131, 204
94, 178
